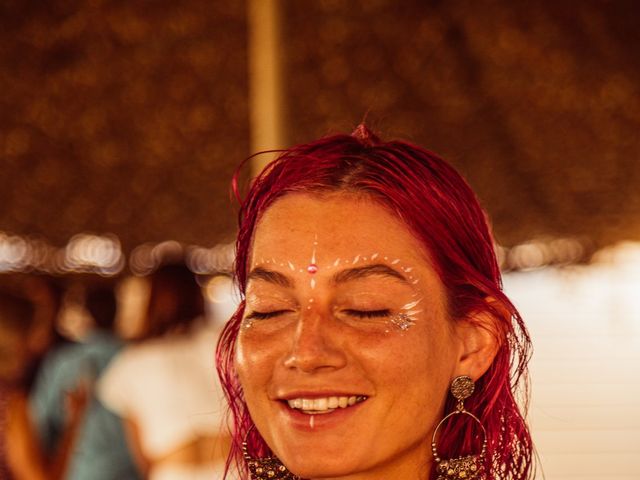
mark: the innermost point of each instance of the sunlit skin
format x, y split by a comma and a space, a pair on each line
334, 337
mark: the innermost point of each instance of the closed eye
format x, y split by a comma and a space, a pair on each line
368, 313
255, 315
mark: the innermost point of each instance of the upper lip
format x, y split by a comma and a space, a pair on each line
310, 394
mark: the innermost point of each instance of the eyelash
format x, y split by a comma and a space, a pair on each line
264, 315
355, 313
369, 313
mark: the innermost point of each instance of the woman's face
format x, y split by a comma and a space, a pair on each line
346, 352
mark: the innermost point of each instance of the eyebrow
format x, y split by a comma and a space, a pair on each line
270, 276
367, 271
356, 273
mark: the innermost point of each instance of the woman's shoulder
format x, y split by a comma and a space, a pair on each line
145, 351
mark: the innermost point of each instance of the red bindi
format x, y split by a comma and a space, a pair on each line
312, 268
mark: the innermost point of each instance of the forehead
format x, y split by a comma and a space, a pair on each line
338, 225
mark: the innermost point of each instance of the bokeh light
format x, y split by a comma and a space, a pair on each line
95, 254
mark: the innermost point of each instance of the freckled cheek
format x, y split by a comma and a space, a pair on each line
254, 361
416, 349
402, 375
415, 365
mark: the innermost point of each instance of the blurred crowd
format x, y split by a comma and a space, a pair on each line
111, 379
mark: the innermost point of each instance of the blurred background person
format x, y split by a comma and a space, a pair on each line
101, 450
21, 457
46, 293
165, 386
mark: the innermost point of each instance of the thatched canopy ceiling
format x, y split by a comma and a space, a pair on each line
538, 103
129, 117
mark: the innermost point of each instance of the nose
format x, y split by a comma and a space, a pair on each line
315, 345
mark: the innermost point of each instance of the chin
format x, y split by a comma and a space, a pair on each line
328, 457
320, 468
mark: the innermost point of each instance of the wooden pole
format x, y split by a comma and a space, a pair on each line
265, 79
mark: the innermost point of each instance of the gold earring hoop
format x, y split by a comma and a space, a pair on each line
469, 467
268, 468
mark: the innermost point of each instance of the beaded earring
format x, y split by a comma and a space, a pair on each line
469, 467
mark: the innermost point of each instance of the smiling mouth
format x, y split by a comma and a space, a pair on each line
318, 406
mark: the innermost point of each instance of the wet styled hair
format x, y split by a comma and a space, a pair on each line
444, 215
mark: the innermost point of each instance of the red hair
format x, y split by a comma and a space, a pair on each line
441, 210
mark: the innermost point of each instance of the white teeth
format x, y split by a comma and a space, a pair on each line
320, 403
324, 404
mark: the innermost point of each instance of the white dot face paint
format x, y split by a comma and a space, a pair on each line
312, 268
366, 305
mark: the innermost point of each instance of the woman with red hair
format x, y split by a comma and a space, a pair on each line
373, 339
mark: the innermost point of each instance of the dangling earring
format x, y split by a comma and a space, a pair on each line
269, 468
469, 467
